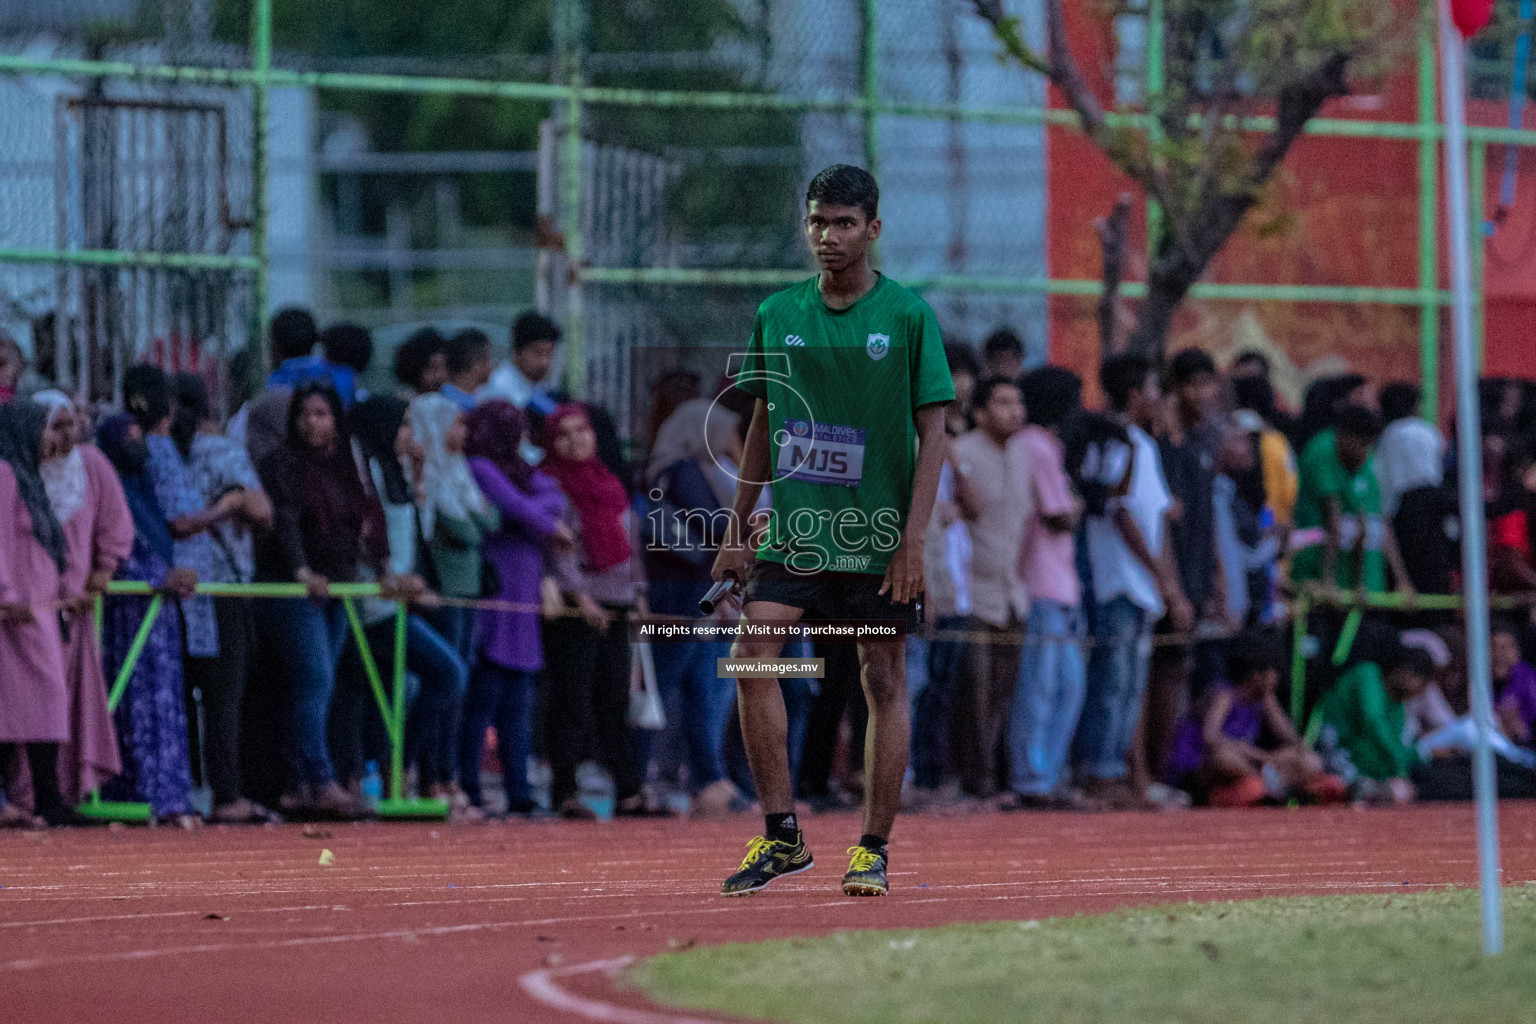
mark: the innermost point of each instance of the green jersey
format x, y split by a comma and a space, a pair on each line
842, 387
1323, 477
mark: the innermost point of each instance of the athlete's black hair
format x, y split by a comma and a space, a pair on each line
532, 327
1003, 342
961, 358
348, 345
464, 348
1189, 364
845, 185
1253, 355
1250, 653
1400, 401
1501, 624
1256, 394
411, 358
1357, 421
1414, 659
1123, 374
1051, 394
983, 393
293, 334
148, 395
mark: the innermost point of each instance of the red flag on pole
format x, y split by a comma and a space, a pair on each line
1471, 15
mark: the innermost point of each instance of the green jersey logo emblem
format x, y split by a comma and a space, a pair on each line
877, 346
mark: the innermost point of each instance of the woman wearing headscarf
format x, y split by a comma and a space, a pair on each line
88, 502
151, 718
455, 519
588, 654
327, 527
393, 459
503, 687
149, 393
222, 473
34, 693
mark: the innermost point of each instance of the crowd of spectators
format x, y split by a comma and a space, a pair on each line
1109, 591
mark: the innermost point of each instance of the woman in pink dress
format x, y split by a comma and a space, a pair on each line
88, 501
34, 696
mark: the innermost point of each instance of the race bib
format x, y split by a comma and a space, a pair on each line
822, 453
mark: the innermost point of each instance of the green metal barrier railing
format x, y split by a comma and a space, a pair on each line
1355, 608
95, 806
391, 704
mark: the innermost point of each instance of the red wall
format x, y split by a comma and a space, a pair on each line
1344, 212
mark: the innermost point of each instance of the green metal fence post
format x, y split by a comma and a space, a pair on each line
392, 710
370, 667
95, 806
1299, 658
1429, 269
397, 727
572, 39
261, 65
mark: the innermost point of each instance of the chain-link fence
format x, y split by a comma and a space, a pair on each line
414, 159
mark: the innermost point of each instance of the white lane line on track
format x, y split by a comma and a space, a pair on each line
542, 986
460, 929
100, 918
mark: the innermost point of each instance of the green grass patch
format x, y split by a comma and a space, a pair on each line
1391, 958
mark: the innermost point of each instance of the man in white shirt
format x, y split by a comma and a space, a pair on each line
1421, 511
992, 491
524, 380
1134, 582
1411, 452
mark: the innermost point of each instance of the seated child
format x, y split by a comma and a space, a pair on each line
1441, 733
1514, 684
1365, 716
1219, 754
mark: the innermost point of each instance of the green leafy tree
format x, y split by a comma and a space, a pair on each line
1192, 146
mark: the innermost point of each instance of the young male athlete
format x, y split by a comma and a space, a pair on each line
850, 432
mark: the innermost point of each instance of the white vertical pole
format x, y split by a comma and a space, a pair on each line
1474, 552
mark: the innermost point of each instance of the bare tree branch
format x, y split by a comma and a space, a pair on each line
1202, 166
1058, 65
1114, 231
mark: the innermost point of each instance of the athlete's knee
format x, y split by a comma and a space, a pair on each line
754, 649
884, 679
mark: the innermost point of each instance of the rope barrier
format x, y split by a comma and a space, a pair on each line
391, 703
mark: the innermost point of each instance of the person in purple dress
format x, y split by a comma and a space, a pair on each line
1239, 748
1514, 680
503, 685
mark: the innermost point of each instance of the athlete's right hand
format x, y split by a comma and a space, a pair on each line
732, 560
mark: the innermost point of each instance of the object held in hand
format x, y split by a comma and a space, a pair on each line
717, 593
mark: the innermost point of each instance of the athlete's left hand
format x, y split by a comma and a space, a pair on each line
904, 576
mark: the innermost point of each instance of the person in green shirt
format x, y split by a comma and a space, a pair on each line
850, 381
1367, 711
1340, 539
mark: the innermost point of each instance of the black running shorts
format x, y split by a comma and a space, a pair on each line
823, 596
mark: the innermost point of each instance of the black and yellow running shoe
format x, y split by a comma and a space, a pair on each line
866, 872
766, 860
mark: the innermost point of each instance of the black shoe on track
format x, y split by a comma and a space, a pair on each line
766, 860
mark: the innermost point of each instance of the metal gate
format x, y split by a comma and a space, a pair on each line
145, 176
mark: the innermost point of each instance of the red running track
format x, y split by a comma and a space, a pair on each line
521, 922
